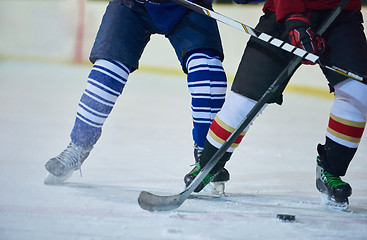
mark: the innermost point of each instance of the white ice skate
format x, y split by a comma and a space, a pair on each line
61, 168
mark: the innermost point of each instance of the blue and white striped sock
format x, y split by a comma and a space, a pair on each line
105, 83
207, 84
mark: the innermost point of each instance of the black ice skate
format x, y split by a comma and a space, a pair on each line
61, 168
217, 182
334, 191
192, 175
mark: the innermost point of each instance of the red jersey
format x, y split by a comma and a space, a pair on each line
284, 7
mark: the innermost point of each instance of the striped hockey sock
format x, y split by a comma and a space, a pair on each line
234, 110
348, 114
346, 126
105, 83
207, 84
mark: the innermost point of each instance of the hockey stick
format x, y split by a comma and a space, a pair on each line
152, 202
270, 39
344, 72
249, 30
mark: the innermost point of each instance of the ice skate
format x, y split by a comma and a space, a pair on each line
334, 191
217, 185
61, 168
218, 182
192, 175
54, 180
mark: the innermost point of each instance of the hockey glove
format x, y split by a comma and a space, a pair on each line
301, 35
157, 2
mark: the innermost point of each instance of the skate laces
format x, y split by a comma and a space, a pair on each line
196, 172
197, 152
207, 178
332, 180
71, 157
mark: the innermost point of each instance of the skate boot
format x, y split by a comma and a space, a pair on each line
334, 191
61, 168
217, 184
192, 175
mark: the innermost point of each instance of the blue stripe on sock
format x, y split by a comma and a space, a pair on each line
99, 97
92, 112
110, 72
95, 105
104, 89
106, 80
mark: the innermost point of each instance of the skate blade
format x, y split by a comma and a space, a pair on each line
330, 203
215, 188
53, 180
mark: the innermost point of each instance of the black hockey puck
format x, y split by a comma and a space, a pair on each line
286, 217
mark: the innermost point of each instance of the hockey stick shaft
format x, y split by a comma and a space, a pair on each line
345, 72
249, 30
270, 39
152, 202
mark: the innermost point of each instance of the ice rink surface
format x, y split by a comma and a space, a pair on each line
146, 145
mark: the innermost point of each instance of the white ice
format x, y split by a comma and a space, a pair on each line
146, 145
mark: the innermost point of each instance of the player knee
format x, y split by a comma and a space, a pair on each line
206, 75
236, 108
354, 94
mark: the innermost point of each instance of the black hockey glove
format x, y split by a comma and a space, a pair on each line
158, 2
302, 36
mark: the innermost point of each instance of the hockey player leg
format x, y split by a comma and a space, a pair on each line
105, 83
334, 191
346, 125
207, 84
234, 110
